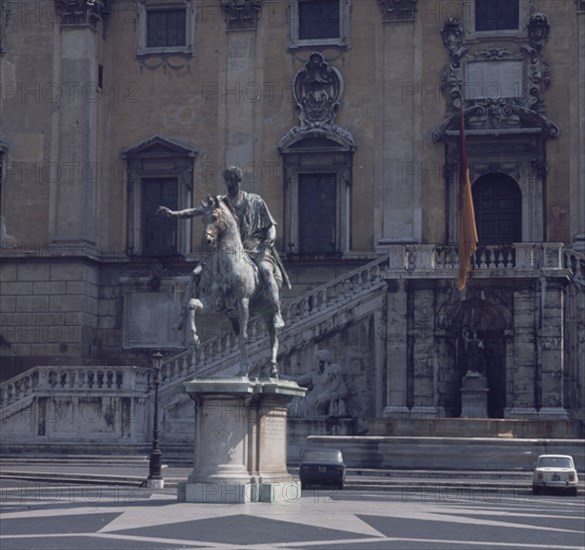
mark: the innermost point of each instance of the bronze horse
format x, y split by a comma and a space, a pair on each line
229, 282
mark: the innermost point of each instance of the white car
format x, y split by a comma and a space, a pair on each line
555, 472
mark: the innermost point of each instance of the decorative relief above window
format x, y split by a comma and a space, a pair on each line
396, 11
166, 33
317, 90
242, 14
319, 23
506, 87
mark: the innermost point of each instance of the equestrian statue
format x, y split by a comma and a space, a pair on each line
242, 274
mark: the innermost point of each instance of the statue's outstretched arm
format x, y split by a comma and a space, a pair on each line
187, 213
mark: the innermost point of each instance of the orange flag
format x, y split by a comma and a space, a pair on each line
467, 228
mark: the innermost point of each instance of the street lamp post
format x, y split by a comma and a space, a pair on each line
155, 478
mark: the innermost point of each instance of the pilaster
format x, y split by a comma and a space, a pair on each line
74, 160
551, 348
396, 350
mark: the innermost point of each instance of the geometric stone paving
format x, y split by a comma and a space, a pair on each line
51, 517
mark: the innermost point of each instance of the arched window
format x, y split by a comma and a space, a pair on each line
498, 209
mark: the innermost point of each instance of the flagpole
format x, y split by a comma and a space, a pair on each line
467, 230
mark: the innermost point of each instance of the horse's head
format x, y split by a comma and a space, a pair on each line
218, 222
212, 223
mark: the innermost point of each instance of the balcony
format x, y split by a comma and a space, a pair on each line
489, 261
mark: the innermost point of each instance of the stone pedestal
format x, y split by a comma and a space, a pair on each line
240, 441
474, 396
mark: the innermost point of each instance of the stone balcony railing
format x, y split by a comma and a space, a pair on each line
17, 392
493, 260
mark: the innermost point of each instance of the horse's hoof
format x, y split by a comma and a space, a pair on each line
278, 321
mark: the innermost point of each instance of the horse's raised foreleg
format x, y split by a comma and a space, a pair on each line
190, 293
244, 316
192, 337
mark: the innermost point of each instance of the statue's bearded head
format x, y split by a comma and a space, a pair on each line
233, 177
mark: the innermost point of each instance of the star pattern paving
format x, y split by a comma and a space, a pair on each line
55, 517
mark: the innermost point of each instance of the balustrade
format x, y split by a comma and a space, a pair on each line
74, 379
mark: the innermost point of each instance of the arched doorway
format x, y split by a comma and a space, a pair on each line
497, 200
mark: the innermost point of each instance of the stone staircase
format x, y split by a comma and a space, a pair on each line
50, 404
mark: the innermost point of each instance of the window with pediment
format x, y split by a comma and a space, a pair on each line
319, 23
160, 173
318, 160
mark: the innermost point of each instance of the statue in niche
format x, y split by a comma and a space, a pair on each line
327, 389
475, 353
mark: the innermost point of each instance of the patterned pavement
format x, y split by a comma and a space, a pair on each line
48, 516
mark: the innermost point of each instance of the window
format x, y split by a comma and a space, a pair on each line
319, 23
160, 173
318, 19
496, 15
165, 28
317, 214
317, 200
498, 209
159, 234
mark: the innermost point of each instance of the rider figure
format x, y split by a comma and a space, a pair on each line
257, 231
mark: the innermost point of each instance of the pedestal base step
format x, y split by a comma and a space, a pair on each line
235, 493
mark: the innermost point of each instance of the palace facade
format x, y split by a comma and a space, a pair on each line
344, 115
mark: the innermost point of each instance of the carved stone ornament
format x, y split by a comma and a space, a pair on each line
317, 90
521, 77
538, 30
396, 11
242, 14
538, 70
452, 75
498, 114
81, 12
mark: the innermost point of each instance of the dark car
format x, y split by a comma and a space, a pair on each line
322, 467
